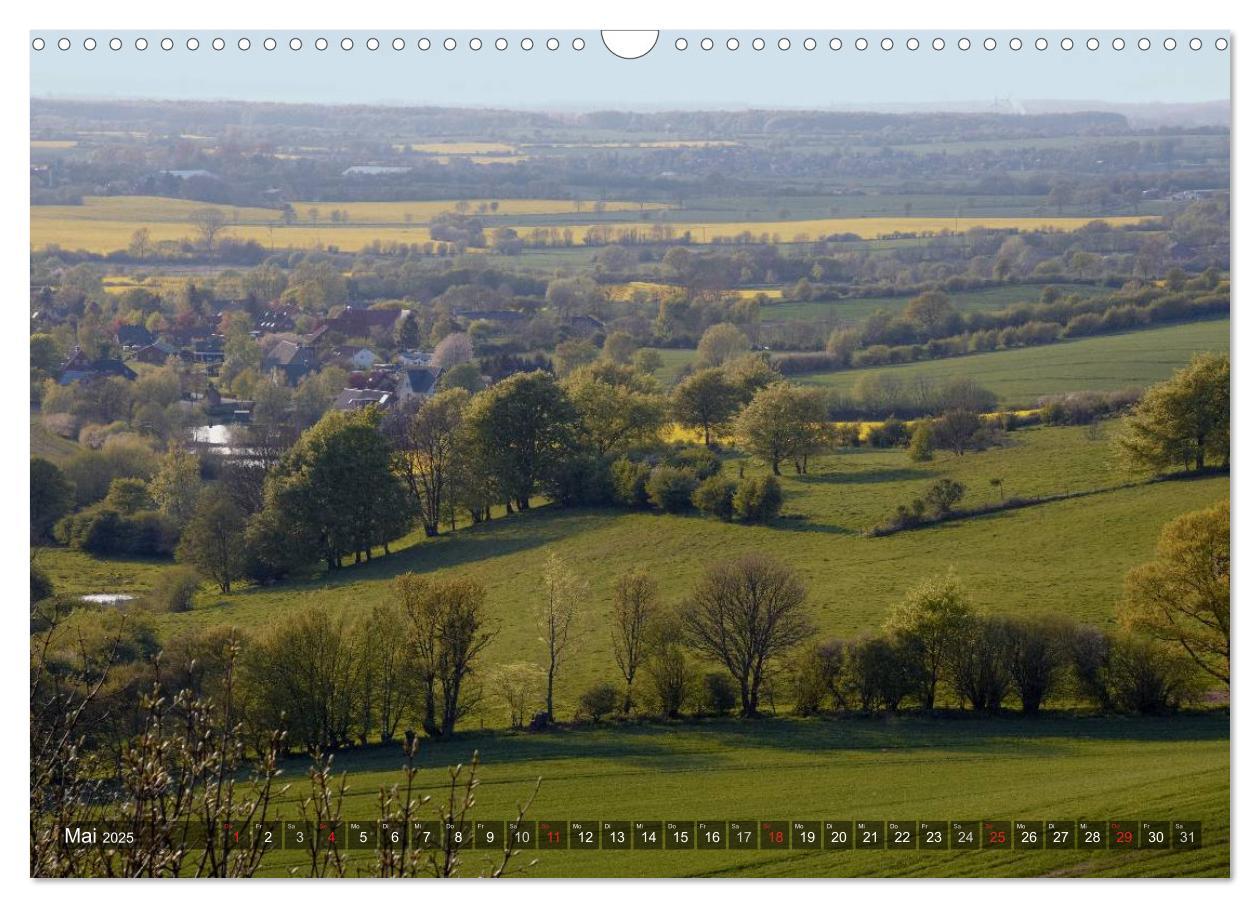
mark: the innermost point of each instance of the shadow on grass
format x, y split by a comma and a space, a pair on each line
675, 746
862, 477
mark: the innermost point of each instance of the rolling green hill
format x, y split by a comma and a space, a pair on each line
1105, 363
1069, 557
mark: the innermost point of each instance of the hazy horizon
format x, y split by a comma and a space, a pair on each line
567, 80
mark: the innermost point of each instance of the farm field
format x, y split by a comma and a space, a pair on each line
1034, 559
858, 308
1104, 363
105, 224
627, 291
909, 767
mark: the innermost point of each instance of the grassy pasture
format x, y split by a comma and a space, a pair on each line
1069, 557
912, 768
858, 308
1019, 377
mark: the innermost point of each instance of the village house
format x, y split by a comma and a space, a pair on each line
294, 361
276, 320
414, 358
131, 337
81, 367
358, 398
156, 353
352, 322
353, 356
417, 382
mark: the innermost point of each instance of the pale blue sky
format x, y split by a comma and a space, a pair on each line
666, 78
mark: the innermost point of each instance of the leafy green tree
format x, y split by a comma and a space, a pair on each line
302, 677
921, 442
425, 450
647, 360
719, 344
706, 401
52, 497
1182, 597
466, 376
409, 336
45, 356
337, 485
784, 423
933, 621
1183, 422
522, 429
617, 408
214, 540
619, 347
574, 353
128, 495
176, 484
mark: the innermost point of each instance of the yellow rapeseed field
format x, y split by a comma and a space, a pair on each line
105, 224
626, 291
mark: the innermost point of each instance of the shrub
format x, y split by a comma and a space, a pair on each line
670, 488
1089, 654
942, 495
597, 701
174, 590
980, 663
880, 673
583, 480
41, 584
889, 434
1150, 677
696, 459
921, 443
670, 676
52, 496
629, 482
104, 531
757, 499
718, 695
715, 497
816, 680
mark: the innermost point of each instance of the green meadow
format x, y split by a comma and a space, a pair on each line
909, 768
855, 309
1068, 557
1105, 363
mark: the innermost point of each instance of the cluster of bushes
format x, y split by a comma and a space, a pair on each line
1081, 408
935, 505
125, 522
691, 479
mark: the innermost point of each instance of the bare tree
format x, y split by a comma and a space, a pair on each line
446, 621
635, 603
209, 223
562, 591
745, 613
